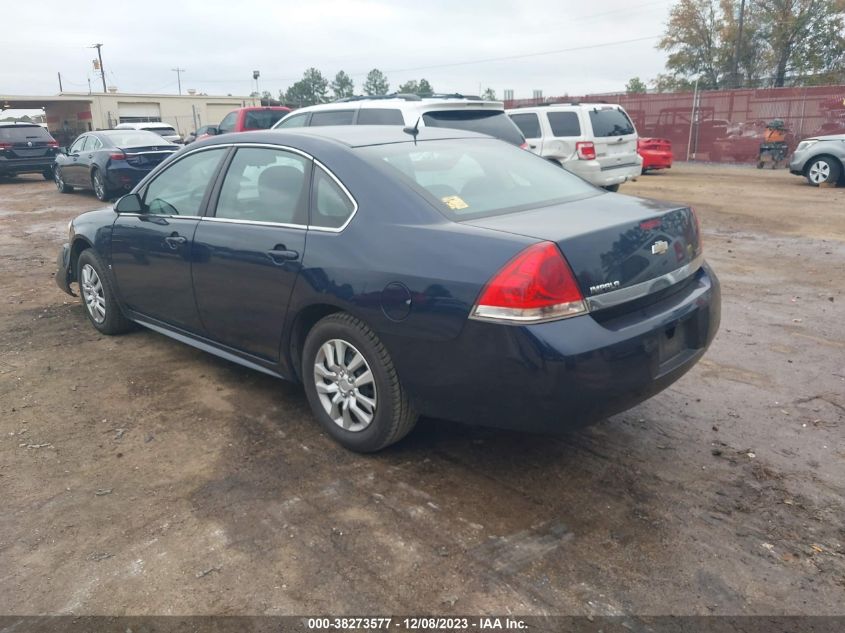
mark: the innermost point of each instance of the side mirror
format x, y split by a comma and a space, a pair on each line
130, 203
213, 131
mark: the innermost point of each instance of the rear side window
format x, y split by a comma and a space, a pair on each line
495, 123
332, 117
24, 133
610, 122
528, 123
331, 206
380, 116
564, 123
262, 119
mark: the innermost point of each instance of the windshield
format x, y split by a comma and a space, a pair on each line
135, 138
24, 133
495, 123
610, 122
469, 178
263, 119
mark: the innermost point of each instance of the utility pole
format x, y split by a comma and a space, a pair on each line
738, 48
102, 70
60, 83
178, 72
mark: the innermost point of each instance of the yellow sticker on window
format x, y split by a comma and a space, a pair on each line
454, 202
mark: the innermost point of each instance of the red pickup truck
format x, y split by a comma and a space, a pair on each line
245, 119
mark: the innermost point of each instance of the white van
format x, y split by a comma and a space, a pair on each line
597, 141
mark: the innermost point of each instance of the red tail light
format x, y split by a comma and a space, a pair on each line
586, 150
536, 285
118, 156
524, 145
53, 144
5, 145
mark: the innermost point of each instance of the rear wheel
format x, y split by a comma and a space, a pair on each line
98, 297
48, 173
352, 385
98, 182
60, 181
822, 169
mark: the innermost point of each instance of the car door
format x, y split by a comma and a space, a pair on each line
71, 169
564, 131
248, 253
87, 158
151, 250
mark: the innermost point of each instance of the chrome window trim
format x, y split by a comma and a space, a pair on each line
623, 295
158, 215
287, 148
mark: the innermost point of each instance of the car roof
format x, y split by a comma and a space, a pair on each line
19, 124
137, 125
349, 135
412, 102
563, 106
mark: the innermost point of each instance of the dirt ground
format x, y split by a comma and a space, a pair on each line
140, 476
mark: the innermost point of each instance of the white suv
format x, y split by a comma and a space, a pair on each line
596, 141
164, 130
451, 111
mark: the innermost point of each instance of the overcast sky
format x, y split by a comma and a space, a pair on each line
458, 45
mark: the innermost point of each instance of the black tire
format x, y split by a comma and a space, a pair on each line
98, 184
60, 181
48, 174
612, 188
393, 417
113, 322
822, 170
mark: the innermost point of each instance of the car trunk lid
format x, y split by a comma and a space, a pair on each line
26, 142
146, 157
613, 243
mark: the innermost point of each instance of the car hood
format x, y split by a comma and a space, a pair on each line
830, 137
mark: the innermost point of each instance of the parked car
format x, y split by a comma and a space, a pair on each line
110, 161
204, 131
444, 273
820, 160
596, 141
26, 148
655, 152
252, 118
454, 111
164, 130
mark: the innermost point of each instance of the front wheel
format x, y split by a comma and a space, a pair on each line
822, 170
60, 181
612, 188
98, 296
98, 182
352, 385
48, 174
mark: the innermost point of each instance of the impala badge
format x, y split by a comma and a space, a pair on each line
659, 247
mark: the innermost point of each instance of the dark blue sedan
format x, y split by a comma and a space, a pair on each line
397, 273
110, 161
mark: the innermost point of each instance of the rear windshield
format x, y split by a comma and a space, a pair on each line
163, 131
470, 178
610, 122
135, 138
262, 119
24, 133
495, 123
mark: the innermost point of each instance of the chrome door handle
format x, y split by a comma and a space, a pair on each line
173, 241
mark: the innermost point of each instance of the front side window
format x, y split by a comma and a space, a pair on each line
528, 123
331, 206
469, 178
77, 145
297, 120
610, 122
332, 117
93, 144
564, 123
265, 185
228, 123
180, 189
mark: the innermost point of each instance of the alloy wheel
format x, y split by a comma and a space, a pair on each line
93, 293
57, 175
99, 186
345, 385
819, 172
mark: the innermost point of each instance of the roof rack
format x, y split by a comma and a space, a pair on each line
393, 95
546, 104
455, 95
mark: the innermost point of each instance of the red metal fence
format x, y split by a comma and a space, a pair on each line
726, 125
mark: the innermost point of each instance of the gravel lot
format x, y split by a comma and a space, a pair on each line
140, 476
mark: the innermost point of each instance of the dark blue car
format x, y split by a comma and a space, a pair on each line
110, 161
397, 273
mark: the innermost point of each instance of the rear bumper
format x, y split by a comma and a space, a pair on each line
593, 172
656, 159
564, 374
26, 165
125, 176
63, 270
